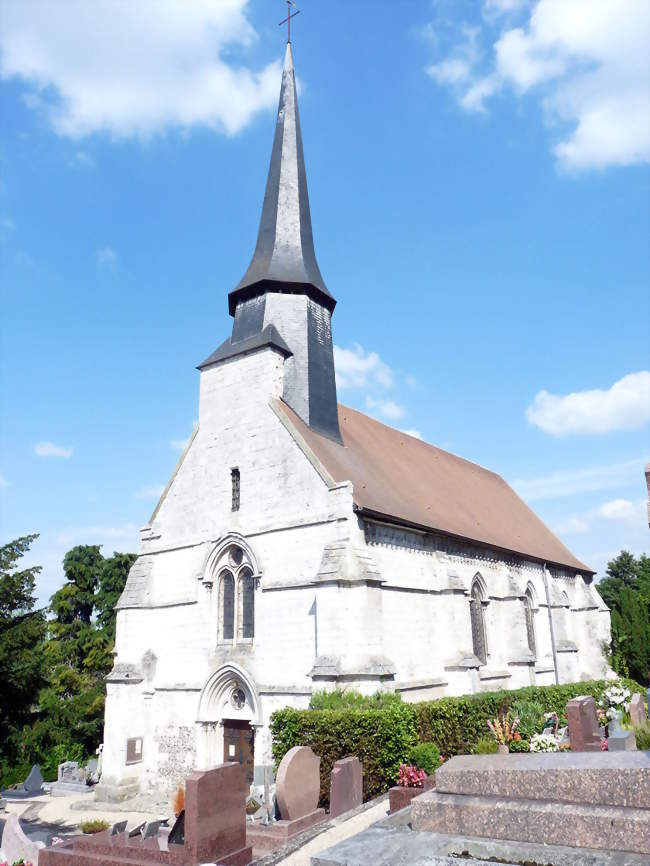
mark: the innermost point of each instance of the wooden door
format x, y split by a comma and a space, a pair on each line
238, 745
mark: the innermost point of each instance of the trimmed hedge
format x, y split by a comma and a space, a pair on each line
383, 738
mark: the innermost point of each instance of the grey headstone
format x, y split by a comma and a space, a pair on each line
637, 710
34, 781
118, 828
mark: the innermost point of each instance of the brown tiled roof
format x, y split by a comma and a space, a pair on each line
404, 479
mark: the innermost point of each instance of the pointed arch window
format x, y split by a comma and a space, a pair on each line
529, 613
477, 615
247, 596
227, 605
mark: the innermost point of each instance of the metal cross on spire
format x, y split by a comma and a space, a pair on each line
290, 15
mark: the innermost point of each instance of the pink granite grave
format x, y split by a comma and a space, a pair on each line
215, 830
346, 786
637, 710
297, 791
584, 733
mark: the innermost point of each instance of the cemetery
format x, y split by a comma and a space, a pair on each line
576, 787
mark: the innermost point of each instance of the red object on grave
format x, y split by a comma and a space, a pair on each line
400, 796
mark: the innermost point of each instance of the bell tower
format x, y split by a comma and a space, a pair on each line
282, 299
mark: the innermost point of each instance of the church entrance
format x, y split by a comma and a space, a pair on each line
239, 745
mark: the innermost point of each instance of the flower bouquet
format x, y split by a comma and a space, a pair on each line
504, 730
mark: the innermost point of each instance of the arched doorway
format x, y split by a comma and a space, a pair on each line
228, 717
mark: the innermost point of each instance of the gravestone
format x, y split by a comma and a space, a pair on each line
211, 829
16, 845
297, 789
584, 733
637, 710
71, 779
346, 786
118, 827
31, 787
298, 783
620, 740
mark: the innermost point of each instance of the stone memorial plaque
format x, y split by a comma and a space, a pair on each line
298, 783
117, 828
134, 750
137, 830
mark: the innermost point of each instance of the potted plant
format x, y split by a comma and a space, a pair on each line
415, 777
504, 732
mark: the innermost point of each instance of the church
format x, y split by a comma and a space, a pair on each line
301, 545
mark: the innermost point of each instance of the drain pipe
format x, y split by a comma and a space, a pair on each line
550, 624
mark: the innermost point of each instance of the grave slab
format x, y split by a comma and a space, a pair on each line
346, 786
611, 827
566, 777
31, 787
15, 844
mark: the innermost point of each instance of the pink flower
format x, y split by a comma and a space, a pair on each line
603, 745
410, 776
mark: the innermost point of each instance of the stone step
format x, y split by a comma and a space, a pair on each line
603, 779
613, 828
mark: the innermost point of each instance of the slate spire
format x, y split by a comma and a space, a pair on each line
284, 258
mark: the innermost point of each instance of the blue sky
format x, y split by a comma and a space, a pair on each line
479, 188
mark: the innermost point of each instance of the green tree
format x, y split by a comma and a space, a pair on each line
22, 633
626, 591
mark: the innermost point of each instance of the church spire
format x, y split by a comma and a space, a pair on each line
284, 259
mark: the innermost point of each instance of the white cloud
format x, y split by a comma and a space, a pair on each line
502, 7
414, 433
3, 481
623, 510
387, 408
153, 491
624, 406
106, 256
356, 368
134, 69
586, 61
559, 484
49, 449
571, 526
178, 444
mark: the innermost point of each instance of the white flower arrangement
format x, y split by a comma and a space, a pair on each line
615, 699
543, 743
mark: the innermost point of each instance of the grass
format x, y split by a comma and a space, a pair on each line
94, 825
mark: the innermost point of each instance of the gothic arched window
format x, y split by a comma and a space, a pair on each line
479, 641
530, 621
227, 606
247, 605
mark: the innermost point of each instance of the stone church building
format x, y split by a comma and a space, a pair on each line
301, 545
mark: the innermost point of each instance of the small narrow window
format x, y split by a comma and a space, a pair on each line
248, 604
228, 606
479, 641
236, 486
530, 622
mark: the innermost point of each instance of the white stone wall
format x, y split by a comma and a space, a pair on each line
393, 614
